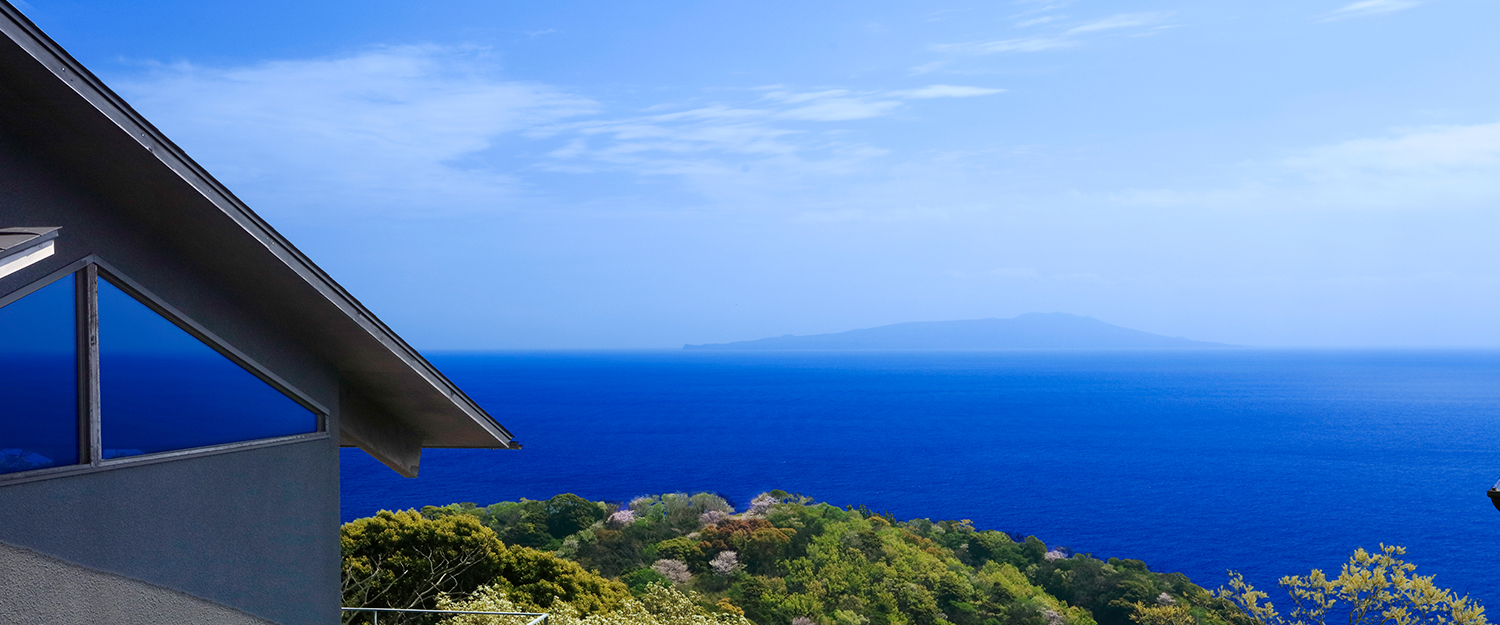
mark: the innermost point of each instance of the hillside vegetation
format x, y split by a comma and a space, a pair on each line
681, 559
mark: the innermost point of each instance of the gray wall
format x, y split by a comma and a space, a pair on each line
256, 530
41, 589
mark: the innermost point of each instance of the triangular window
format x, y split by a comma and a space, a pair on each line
163, 389
39, 416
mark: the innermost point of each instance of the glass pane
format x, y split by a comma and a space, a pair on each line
162, 389
39, 380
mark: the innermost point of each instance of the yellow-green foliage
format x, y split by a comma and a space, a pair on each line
1162, 615
537, 578
1370, 589
402, 560
405, 560
659, 605
858, 570
1025, 596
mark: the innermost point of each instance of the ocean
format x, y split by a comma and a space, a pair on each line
1269, 462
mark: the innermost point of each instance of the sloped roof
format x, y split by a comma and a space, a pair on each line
66, 115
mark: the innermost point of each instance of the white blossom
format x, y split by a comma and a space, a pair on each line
725, 564
760, 505
621, 518
675, 570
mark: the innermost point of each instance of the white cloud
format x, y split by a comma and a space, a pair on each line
1038, 21
1425, 168
927, 68
840, 109
1064, 38
1126, 20
412, 131
1025, 44
382, 130
946, 91
1365, 8
769, 134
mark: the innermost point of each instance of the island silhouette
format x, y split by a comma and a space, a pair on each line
1029, 331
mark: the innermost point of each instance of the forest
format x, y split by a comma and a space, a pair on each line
690, 559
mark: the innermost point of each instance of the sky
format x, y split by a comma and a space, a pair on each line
538, 175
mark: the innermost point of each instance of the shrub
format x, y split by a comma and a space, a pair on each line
1371, 589
639, 579
684, 549
659, 605
538, 579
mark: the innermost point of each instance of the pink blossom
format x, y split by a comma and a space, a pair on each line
675, 570
725, 564
761, 505
621, 518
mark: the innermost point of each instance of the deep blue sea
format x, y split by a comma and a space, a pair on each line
1270, 462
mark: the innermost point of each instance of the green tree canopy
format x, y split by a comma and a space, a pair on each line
407, 560
568, 513
790, 561
403, 560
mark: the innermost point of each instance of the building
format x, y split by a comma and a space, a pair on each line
176, 378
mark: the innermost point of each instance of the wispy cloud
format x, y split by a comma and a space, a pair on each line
1024, 44
1038, 21
945, 91
412, 131
1124, 20
1436, 167
927, 68
1063, 37
385, 129
770, 133
1365, 8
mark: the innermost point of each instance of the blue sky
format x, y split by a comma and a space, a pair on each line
616, 175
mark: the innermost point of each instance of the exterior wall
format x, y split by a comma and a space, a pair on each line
255, 530
40, 590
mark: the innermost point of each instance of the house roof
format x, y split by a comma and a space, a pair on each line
66, 115
17, 240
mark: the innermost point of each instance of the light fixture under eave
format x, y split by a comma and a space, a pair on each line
22, 247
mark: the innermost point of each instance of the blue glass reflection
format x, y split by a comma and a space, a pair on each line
39, 380
162, 389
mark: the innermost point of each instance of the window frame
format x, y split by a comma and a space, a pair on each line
89, 270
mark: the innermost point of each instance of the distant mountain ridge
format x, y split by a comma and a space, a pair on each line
1028, 331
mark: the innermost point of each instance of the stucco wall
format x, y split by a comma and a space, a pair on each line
256, 530
39, 590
